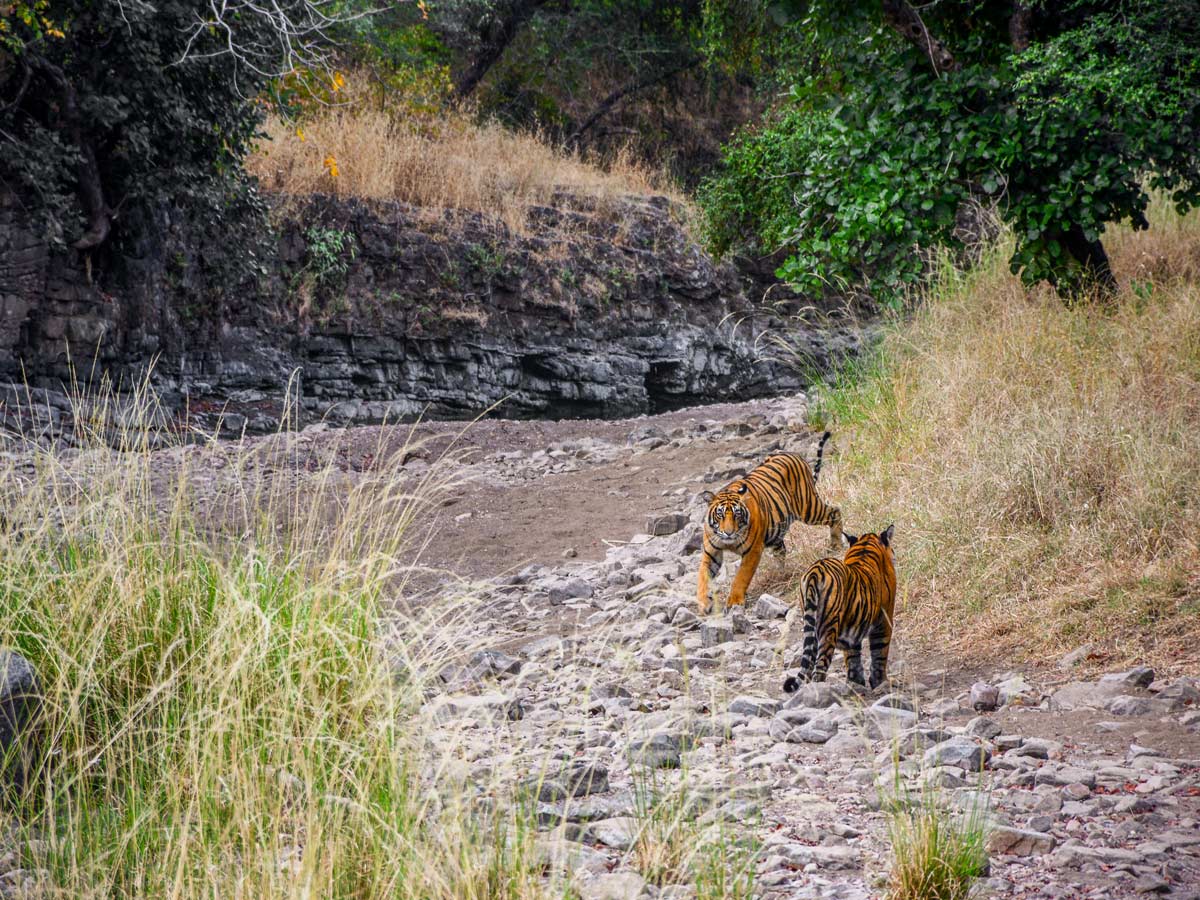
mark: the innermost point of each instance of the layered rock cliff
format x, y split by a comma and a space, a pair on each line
369, 311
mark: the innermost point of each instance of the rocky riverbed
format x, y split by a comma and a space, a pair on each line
591, 680
554, 629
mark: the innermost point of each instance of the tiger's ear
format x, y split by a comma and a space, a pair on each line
886, 536
851, 539
707, 497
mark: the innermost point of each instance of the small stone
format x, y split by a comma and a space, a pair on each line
1003, 839
754, 706
1038, 748
886, 722
1137, 677
895, 701
984, 697
715, 631
814, 694
685, 618
1182, 690
20, 710
618, 833
570, 553
1077, 656
658, 751
1152, 884
495, 662
983, 727
660, 526
1076, 791
1128, 706
1061, 776
769, 607
561, 857
479, 707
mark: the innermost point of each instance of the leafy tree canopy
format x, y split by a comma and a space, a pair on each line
1062, 114
110, 109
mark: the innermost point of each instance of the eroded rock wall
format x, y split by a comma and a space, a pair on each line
377, 310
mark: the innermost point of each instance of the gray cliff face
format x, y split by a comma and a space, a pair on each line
376, 310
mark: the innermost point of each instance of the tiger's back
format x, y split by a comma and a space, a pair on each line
845, 602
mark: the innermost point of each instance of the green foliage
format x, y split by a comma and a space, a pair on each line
867, 160
127, 110
330, 252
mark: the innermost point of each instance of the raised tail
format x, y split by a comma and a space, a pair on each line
820, 450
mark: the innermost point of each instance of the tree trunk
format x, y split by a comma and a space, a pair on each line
1097, 273
903, 19
495, 37
606, 105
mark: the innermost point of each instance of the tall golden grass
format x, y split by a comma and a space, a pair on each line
1042, 463
447, 162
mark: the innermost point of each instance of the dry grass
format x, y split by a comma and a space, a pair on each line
451, 162
1042, 463
224, 713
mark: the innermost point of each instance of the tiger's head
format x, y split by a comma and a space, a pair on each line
728, 517
866, 544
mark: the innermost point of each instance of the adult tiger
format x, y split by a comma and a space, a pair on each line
755, 512
845, 601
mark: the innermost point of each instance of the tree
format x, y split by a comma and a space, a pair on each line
1063, 114
119, 105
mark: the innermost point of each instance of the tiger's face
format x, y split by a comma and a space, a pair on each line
728, 517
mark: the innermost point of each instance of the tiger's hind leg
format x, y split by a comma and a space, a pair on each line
826, 640
852, 650
880, 638
778, 549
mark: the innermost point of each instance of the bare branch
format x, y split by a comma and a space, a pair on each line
297, 34
620, 93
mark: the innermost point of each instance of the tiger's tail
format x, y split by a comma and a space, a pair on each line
820, 450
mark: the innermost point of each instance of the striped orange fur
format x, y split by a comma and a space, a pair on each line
844, 602
754, 513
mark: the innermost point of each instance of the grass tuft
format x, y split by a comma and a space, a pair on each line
936, 853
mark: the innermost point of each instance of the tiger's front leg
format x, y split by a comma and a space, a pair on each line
745, 573
710, 565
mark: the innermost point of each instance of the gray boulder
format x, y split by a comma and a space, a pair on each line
20, 712
960, 752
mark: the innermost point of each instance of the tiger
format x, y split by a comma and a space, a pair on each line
754, 513
845, 601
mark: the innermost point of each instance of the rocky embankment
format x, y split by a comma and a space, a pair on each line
374, 311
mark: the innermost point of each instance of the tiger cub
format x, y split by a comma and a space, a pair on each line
845, 601
755, 512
